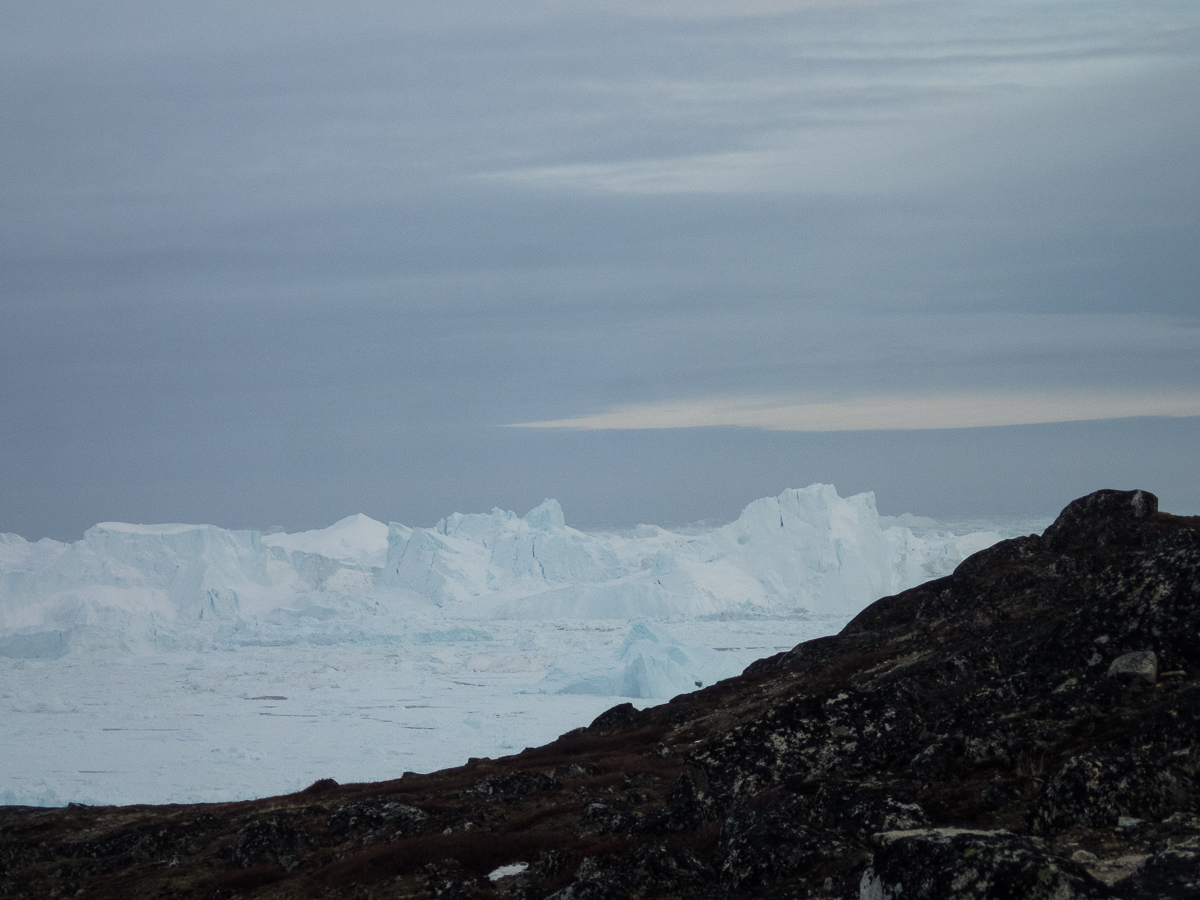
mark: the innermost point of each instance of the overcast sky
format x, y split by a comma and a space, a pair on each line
274, 264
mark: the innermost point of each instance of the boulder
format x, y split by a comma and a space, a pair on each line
962, 864
272, 839
1141, 664
1173, 874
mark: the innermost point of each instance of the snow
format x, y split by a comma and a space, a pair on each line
178, 663
512, 869
356, 540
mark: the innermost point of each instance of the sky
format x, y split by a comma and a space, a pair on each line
271, 265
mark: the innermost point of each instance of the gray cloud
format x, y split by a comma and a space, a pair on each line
259, 262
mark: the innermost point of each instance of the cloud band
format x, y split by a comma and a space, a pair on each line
882, 412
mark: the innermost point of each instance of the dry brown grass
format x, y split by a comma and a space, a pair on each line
852, 664
477, 852
531, 819
575, 746
251, 879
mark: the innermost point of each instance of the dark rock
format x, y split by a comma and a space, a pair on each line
1110, 869
1148, 776
622, 717
945, 863
11, 886
690, 804
1101, 519
1141, 664
448, 880
607, 819
320, 786
759, 847
273, 839
372, 817
795, 834
654, 869
528, 885
574, 770
166, 846
514, 786
1181, 823
857, 812
1173, 874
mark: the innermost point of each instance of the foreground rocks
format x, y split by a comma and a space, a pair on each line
1027, 727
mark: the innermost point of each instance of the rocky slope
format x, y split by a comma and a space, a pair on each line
1028, 727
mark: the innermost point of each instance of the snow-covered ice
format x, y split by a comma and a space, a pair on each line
173, 663
356, 540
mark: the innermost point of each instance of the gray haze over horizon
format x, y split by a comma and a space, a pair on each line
274, 265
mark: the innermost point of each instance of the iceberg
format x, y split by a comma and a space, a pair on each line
356, 540
650, 664
465, 557
805, 552
174, 663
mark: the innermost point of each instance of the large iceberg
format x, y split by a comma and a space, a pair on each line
805, 552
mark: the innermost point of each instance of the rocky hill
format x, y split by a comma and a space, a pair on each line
1027, 727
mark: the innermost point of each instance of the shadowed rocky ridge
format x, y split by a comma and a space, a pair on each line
1028, 727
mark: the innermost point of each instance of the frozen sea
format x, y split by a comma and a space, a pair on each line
177, 663
257, 721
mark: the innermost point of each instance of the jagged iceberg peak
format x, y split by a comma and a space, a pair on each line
356, 539
496, 554
546, 516
817, 505
17, 553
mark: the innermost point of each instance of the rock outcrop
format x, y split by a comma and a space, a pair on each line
1026, 727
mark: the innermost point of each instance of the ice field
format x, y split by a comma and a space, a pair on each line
178, 663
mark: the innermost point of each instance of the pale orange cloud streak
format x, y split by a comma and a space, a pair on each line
883, 412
